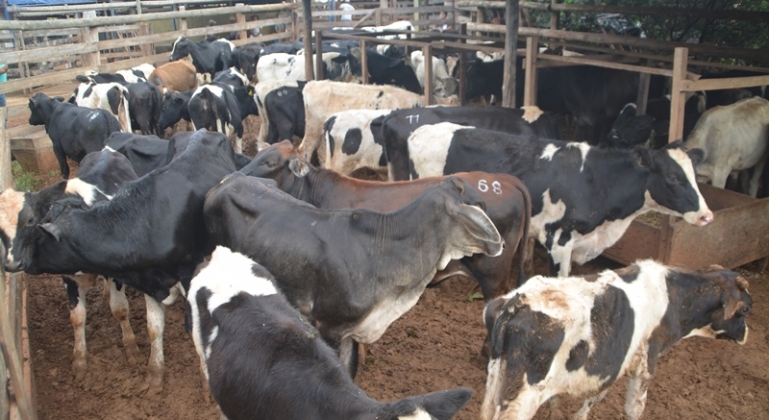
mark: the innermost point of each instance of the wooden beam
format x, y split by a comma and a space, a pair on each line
606, 64
364, 62
307, 38
730, 83
366, 16
511, 55
677, 95
642, 97
554, 15
530, 83
241, 19
428, 63
318, 55
462, 66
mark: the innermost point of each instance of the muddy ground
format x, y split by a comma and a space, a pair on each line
434, 346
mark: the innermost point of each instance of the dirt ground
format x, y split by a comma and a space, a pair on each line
434, 346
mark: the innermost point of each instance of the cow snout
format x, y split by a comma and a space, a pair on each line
13, 266
705, 219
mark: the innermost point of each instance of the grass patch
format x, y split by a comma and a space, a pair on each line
23, 180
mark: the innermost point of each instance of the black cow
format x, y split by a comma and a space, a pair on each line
630, 129
394, 129
144, 103
145, 152
207, 57
583, 197
385, 70
659, 108
485, 79
285, 113
178, 143
232, 77
282, 47
257, 352
219, 107
245, 57
151, 235
100, 176
174, 109
351, 272
74, 131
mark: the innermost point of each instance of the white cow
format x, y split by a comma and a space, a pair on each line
734, 137
286, 66
350, 143
111, 97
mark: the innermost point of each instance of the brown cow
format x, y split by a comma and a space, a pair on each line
177, 76
507, 203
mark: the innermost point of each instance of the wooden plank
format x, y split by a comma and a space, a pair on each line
307, 12
640, 241
606, 64
147, 17
729, 83
359, 23
642, 97
511, 54
677, 95
12, 357
555, 16
428, 60
241, 19
46, 54
318, 55
64, 76
462, 67
530, 82
719, 51
364, 62
102, 6
6, 178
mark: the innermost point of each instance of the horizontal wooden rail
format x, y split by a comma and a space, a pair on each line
119, 20
719, 51
606, 64
107, 6
727, 83
46, 53
741, 15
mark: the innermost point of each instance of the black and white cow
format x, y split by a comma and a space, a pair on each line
583, 197
336, 66
245, 57
221, 108
151, 235
144, 103
207, 57
351, 272
100, 176
385, 70
74, 131
145, 152
282, 47
124, 77
395, 129
351, 144
232, 76
178, 143
630, 129
288, 106
579, 335
111, 97
173, 109
244, 328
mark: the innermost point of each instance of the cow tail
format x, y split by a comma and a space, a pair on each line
525, 237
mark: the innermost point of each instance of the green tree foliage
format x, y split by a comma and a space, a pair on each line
687, 28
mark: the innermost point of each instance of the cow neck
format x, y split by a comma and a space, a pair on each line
50, 106
685, 309
318, 183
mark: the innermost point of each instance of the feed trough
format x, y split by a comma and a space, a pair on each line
738, 234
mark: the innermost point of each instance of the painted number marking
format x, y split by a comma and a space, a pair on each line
413, 119
495, 186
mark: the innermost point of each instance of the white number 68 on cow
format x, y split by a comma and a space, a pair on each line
495, 186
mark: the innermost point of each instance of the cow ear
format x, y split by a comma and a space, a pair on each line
59, 98
696, 155
82, 79
644, 157
178, 100
731, 304
299, 167
52, 230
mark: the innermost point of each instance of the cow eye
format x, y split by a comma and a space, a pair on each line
31, 221
269, 163
674, 179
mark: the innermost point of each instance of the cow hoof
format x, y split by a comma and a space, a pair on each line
155, 383
132, 354
79, 368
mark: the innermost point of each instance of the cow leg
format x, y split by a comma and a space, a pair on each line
119, 306
560, 245
156, 319
524, 407
635, 400
62, 158
77, 315
588, 404
348, 355
755, 178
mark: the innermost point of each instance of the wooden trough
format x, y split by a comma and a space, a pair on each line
738, 235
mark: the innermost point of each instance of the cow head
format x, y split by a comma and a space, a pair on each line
181, 49
20, 212
172, 109
714, 303
280, 162
437, 405
671, 186
41, 108
474, 232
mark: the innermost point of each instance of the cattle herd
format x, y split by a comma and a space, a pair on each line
288, 263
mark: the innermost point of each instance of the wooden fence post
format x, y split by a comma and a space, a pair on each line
241, 18
643, 93
294, 26
378, 16
462, 66
363, 62
530, 87
182, 21
554, 16
307, 38
90, 36
145, 29
427, 52
511, 57
318, 55
678, 96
